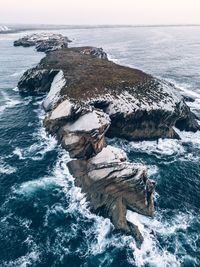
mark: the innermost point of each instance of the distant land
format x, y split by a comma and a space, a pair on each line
14, 28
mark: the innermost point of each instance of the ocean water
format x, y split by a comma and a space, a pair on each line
44, 219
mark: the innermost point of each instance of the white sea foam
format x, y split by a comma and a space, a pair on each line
170, 148
17, 73
19, 152
6, 169
37, 150
111, 58
150, 252
162, 147
152, 170
190, 137
42, 143
186, 89
9, 102
16, 89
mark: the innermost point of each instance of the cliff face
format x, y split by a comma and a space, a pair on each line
90, 97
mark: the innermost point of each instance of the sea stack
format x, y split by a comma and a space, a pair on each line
89, 98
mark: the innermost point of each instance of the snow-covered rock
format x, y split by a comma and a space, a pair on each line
44, 42
80, 130
54, 93
95, 52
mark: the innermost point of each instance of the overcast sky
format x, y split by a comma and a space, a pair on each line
100, 11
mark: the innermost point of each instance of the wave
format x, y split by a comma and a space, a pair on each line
17, 74
169, 148
160, 148
151, 252
42, 143
9, 101
98, 235
6, 169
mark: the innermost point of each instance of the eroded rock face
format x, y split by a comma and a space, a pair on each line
112, 184
44, 42
80, 129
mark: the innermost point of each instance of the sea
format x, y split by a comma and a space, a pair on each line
45, 220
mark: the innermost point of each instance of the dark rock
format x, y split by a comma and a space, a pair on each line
188, 98
36, 81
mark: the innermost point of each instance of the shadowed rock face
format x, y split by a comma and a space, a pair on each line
35, 81
90, 97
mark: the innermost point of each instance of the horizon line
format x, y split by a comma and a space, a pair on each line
100, 25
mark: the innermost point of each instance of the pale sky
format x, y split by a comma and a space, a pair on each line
100, 11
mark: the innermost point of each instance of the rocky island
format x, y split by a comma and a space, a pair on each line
89, 98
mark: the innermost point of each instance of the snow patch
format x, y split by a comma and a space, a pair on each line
88, 122
109, 154
62, 110
165, 99
53, 95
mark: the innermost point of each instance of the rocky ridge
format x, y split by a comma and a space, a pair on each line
43, 42
89, 98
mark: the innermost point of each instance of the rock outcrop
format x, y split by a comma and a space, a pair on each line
80, 129
139, 105
89, 98
44, 42
112, 184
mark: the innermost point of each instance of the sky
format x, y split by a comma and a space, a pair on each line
95, 12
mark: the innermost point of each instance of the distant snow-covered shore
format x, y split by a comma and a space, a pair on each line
4, 28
